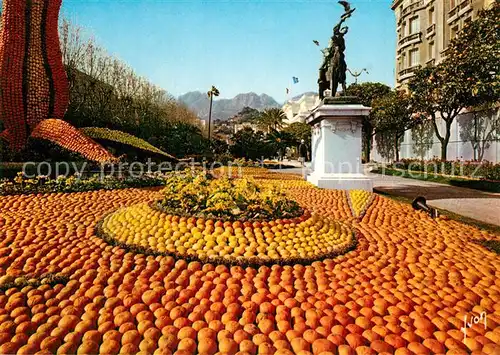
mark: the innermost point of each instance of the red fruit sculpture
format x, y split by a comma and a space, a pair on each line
34, 91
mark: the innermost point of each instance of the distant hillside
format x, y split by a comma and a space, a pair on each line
225, 108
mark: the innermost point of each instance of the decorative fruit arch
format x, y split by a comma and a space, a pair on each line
34, 90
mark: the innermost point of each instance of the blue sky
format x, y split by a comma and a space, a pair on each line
239, 46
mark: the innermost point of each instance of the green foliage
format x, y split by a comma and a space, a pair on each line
392, 115
7, 281
299, 131
201, 195
491, 245
20, 185
183, 140
250, 145
367, 94
474, 54
271, 118
279, 140
485, 170
122, 137
248, 114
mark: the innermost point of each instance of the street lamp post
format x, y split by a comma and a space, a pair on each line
211, 93
356, 74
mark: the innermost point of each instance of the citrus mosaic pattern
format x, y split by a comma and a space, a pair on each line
360, 200
30, 53
405, 288
297, 240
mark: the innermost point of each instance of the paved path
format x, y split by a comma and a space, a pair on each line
479, 205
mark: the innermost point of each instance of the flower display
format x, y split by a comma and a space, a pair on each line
199, 194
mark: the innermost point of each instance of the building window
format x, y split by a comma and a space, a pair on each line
431, 50
414, 25
414, 57
453, 32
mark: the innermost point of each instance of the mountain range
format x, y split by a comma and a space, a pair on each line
223, 109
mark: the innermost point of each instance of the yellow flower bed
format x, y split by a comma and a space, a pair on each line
239, 171
303, 239
200, 195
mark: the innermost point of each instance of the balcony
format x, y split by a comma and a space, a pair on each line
430, 30
459, 10
431, 61
464, 6
410, 39
407, 73
412, 7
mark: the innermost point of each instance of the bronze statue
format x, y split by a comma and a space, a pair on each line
333, 70
324, 81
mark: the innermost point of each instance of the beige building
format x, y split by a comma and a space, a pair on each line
425, 28
298, 110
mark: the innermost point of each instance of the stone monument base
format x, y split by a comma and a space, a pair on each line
344, 181
336, 144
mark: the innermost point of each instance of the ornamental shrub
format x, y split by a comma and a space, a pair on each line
199, 194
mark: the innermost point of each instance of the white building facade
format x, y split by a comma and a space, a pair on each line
422, 143
298, 110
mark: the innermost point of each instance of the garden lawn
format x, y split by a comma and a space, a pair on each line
404, 289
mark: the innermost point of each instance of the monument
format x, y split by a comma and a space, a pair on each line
337, 122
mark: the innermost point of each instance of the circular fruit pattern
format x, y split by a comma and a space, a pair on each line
299, 240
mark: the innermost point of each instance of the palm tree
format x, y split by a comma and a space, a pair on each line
272, 118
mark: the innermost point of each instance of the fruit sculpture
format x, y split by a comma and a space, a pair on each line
122, 137
34, 90
405, 289
33, 83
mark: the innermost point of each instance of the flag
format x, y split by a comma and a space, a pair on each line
316, 42
287, 90
295, 80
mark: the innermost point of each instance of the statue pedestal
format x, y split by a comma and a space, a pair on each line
336, 145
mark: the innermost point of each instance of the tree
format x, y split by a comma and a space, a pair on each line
474, 54
468, 77
248, 114
480, 128
299, 131
367, 93
271, 118
279, 140
422, 136
393, 116
249, 144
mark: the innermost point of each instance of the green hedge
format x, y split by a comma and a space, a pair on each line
484, 169
20, 185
